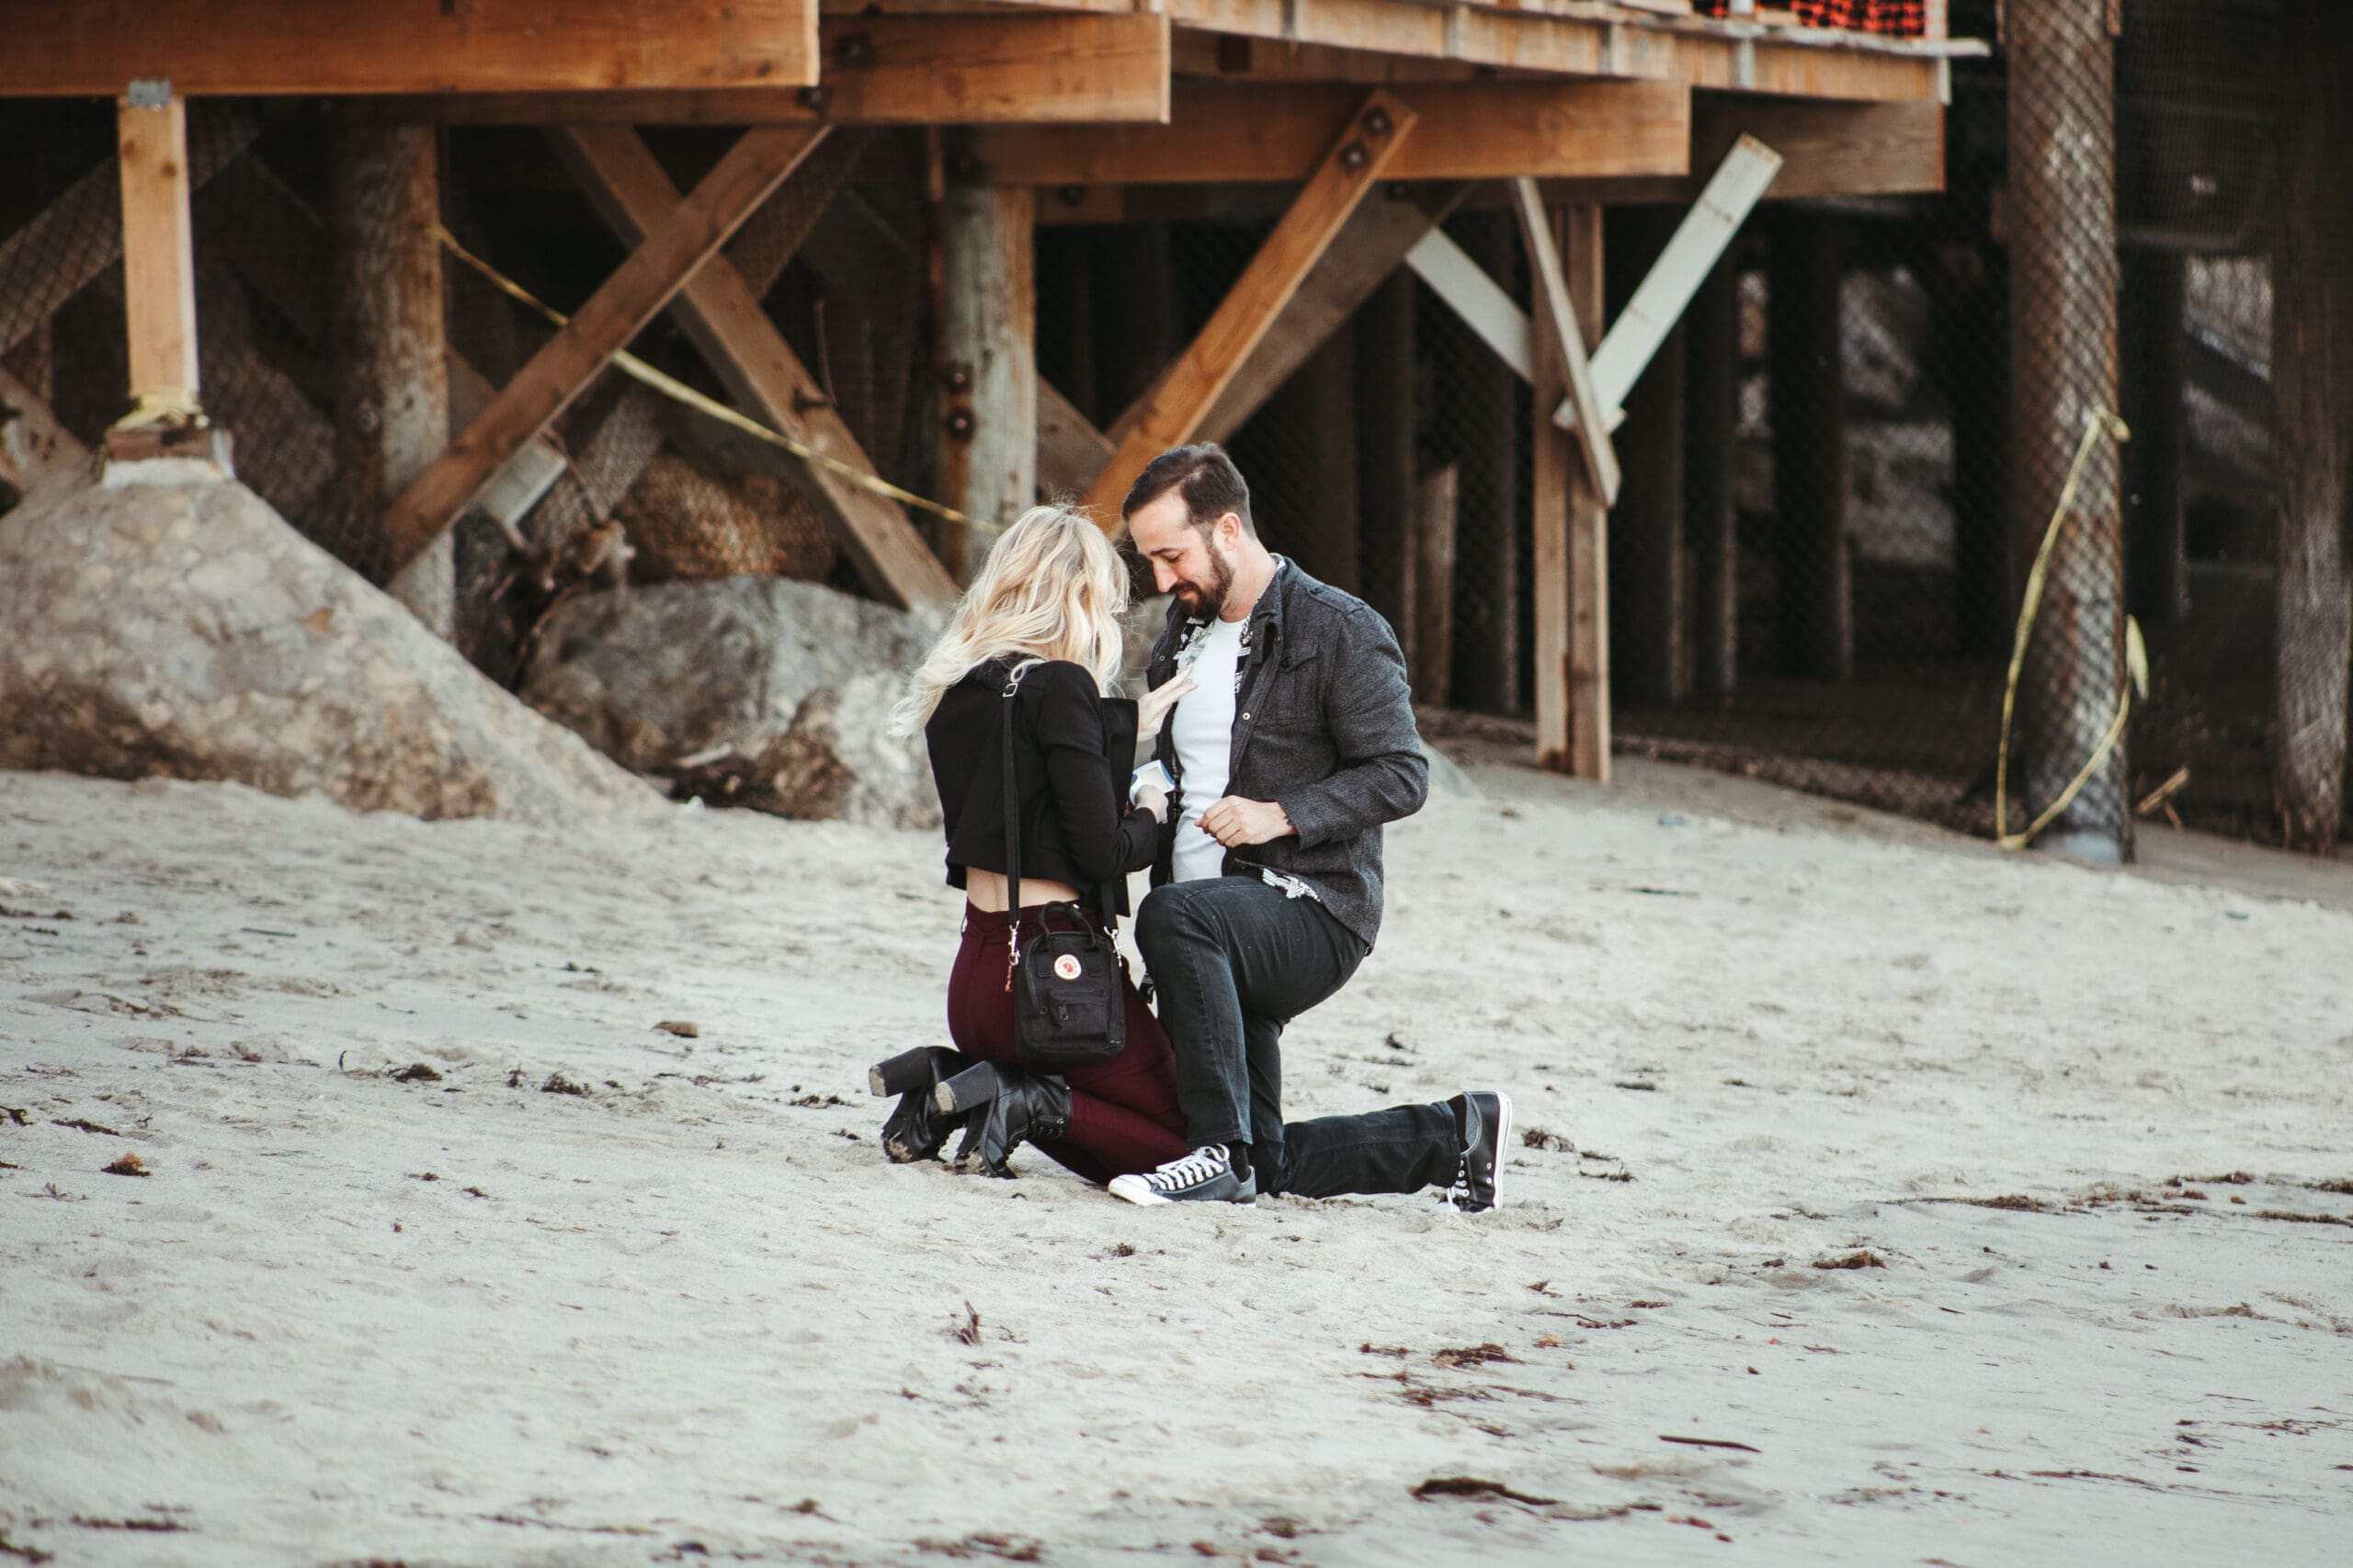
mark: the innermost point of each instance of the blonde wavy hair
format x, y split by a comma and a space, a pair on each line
1052, 587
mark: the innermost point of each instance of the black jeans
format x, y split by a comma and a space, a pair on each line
1234, 961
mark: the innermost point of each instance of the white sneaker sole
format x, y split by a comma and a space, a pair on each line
1134, 1189
1502, 1142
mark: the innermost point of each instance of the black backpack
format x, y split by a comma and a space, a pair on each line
1069, 1001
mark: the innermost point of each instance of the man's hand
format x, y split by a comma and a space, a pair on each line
1234, 822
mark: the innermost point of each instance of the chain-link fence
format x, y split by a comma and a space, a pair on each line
1843, 471
624, 486
2106, 242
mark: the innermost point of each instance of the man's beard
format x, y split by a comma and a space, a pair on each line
1207, 599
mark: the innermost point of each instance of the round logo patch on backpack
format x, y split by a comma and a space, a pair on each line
1067, 966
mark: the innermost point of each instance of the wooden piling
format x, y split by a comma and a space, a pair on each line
1813, 588
2062, 231
1650, 608
988, 439
386, 345
1385, 453
1711, 410
2311, 360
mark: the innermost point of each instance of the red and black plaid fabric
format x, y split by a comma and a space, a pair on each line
1896, 19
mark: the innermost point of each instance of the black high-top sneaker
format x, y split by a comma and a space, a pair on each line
1484, 1117
1205, 1176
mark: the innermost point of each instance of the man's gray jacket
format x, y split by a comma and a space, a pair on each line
1323, 726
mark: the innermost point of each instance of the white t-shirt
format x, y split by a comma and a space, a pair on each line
1201, 728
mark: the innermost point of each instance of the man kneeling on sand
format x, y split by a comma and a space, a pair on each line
1295, 744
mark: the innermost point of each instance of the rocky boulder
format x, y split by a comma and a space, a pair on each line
183, 629
756, 691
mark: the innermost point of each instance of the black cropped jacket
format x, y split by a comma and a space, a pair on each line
1071, 747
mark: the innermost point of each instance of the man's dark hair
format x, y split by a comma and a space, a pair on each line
1204, 475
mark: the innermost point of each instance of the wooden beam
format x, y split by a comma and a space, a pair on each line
1588, 541
988, 435
1710, 506
2311, 360
1388, 451
1436, 502
1562, 342
1572, 38
235, 48
750, 357
1705, 234
388, 342
998, 68
685, 236
1366, 250
1479, 435
1470, 131
529, 475
1702, 237
274, 241
1491, 313
1813, 602
1231, 57
158, 251
1071, 450
1649, 579
1362, 153
1553, 474
1826, 149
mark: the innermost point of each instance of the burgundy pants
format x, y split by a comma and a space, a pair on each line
1123, 1112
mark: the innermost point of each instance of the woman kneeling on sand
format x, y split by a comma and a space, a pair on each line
1042, 616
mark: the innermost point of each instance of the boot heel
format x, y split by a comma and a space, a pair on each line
908, 1070
973, 1086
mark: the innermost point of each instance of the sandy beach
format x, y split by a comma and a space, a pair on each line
510, 1195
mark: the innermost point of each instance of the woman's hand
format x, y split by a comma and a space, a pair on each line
1152, 797
1151, 708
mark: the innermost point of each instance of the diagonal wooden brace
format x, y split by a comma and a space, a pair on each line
1175, 409
1369, 248
1705, 234
685, 237
1557, 324
749, 355
1667, 291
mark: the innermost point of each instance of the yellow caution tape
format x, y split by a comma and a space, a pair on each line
2099, 422
669, 386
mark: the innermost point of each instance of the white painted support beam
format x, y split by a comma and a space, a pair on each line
1627, 349
1482, 303
1705, 234
526, 477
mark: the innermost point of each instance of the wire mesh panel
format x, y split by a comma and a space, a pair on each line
1914, 379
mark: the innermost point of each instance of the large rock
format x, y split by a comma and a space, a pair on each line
184, 629
757, 691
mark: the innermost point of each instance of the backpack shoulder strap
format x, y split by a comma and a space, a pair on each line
1012, 821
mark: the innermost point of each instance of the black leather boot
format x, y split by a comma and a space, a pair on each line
916, 1128
1009, 1106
